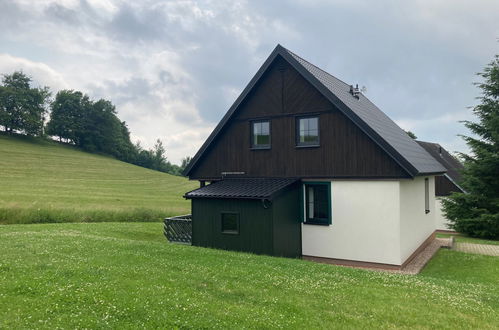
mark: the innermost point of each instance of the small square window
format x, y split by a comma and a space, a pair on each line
307, 131
260, 134
230, 223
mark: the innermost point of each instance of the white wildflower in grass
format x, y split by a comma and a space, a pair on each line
123, 275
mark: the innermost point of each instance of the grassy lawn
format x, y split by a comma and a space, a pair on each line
47, 182
473, 269
125, 275
465, 239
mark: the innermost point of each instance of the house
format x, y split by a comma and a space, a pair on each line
304, 165
444, 184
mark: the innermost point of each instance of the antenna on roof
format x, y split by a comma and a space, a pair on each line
355, 91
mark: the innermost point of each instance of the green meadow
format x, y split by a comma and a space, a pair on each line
126, 276
120, 275
42, 181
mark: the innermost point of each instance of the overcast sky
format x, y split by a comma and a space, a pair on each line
173, 68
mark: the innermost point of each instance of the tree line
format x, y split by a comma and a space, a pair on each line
71, 117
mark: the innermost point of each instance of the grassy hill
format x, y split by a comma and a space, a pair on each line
126, 276
42, 181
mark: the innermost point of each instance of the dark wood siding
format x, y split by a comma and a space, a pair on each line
444, 186
281, 95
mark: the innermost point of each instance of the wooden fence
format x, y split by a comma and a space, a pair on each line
179, 229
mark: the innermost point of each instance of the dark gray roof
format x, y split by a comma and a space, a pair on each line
369, 118
376, 119
246, 188
451, 164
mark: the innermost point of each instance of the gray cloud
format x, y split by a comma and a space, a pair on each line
131, 25
59, 13
174, 68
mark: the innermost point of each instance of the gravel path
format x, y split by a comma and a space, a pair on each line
486, 249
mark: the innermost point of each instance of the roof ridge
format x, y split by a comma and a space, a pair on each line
436, 143
445, 157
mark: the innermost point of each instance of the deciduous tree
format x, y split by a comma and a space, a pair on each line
68, 115
22, 108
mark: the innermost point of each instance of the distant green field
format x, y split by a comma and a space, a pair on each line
127, 276
43, 181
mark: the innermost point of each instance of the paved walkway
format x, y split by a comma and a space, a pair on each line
486, 249
421, 259
417, 264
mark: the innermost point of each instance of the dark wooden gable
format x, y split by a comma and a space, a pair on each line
444, 186
281, 95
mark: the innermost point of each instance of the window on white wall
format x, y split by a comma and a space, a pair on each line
317, 203
426, 195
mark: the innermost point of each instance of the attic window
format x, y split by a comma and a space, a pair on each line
260, 134
307, 131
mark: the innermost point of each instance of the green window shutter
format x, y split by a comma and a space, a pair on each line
302, 199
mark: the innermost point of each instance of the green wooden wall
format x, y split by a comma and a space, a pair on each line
275, 230
255, 225
287, 224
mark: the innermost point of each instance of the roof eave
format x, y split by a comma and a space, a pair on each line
455, 183
431, 173
228, 197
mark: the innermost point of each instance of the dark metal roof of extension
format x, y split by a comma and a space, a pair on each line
451, 164
369, 118
245, 188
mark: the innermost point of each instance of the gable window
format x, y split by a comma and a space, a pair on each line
426, 196
317, 203
230, 223
307, 131
260, 134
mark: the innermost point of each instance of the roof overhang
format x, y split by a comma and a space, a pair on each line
243, 188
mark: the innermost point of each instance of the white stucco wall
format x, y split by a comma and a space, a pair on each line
441, 221
365, 224
415, 225
374, 221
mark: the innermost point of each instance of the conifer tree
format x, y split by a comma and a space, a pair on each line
476, 212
